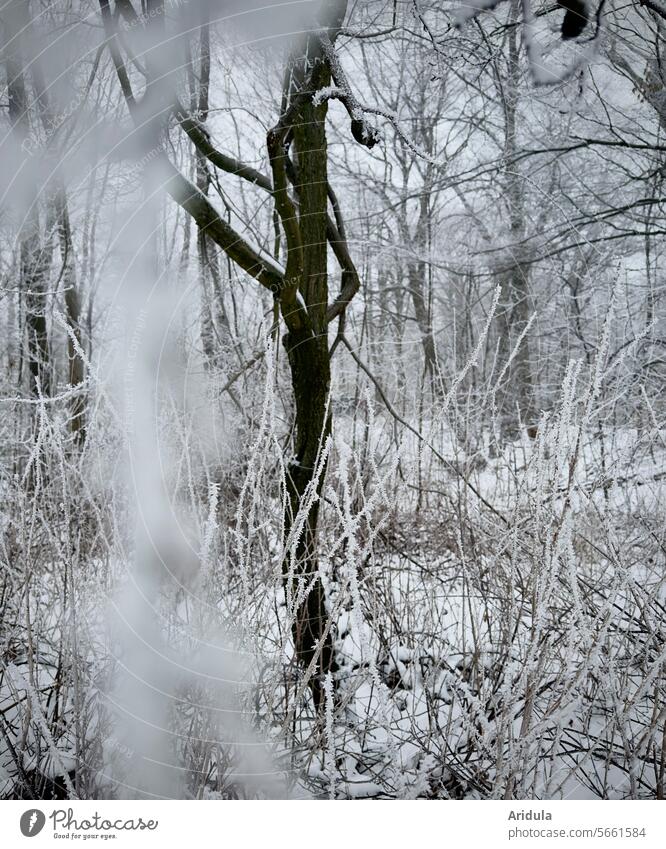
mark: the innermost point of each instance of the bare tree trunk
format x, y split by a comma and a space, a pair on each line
58, 200
32, 252
417, 273
513, 318
417, 288
76, 371
213, 316
309, 361
513, 313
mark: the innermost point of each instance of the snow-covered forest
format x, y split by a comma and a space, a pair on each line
332, 399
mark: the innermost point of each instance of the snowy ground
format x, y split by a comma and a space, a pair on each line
504, 635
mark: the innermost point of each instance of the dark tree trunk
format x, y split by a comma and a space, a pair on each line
76, 372
309, 361
58, 202
417, 289
33, 255
513, 316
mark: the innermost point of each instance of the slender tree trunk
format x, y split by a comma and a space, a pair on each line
417, 272
417, 288
58, 201
513, 314
32, 254
310, 366
214, 320
76, 371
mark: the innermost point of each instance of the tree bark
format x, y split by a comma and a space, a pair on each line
32, 253
309, 362
58, 200
417, 287
513, 313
